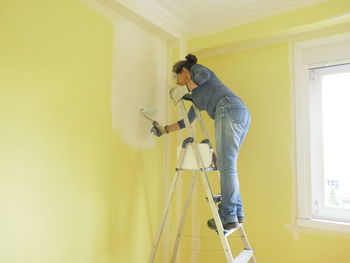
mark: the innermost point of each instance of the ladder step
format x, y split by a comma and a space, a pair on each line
244, 256
217, 198
209, 169
229, 232
202, 166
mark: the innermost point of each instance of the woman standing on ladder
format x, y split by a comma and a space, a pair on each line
232, 121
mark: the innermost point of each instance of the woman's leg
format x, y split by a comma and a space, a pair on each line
231, 126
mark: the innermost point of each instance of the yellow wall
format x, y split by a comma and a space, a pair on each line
332, 15
70, 190
262, 77
256, 61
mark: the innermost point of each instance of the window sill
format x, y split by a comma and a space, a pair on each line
324, 224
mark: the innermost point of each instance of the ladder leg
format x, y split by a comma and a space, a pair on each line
217, 219
183, 218
164, 217
247, 254
246, 242
167, 205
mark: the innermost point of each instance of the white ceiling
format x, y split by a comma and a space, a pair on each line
207, 16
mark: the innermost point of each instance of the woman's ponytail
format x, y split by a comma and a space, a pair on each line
188, 63
191, 59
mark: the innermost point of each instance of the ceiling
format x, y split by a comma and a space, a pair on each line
202, 17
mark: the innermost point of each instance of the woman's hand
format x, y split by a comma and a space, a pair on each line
213, 163
157, 129
191, 85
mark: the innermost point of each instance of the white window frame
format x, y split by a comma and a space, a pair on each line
312, 54
319, 210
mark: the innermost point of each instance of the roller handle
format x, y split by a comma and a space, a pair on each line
155, 129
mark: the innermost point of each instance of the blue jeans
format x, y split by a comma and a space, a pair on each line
232, 121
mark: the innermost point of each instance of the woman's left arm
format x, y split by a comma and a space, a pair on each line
199, 75
191, 85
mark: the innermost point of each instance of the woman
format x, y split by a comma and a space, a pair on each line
232, 121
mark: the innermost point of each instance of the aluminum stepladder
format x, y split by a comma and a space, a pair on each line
246, 255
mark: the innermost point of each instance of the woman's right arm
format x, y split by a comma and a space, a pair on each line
181, 124
172, 127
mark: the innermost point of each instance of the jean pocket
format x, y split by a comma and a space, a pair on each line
238, 115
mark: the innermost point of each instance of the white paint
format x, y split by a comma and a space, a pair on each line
148, 111
139, 80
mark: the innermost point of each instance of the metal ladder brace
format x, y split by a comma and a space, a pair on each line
246, 255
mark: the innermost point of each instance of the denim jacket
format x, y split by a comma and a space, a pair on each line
208, 92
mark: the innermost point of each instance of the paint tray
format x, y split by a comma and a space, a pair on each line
190, 162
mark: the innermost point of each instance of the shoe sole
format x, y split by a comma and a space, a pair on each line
234, 226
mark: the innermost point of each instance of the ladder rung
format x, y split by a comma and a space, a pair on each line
244, 256
217, 198
229, 232
209, 169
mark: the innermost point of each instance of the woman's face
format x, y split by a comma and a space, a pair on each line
183, 77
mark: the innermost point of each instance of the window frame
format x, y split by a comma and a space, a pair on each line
304, 59
320, 211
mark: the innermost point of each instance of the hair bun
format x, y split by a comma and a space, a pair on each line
191, 58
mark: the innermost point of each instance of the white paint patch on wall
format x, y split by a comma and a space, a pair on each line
139, 80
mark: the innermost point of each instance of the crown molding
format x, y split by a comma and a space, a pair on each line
233, 18
173, 23
301, 33
152, 19
167, 11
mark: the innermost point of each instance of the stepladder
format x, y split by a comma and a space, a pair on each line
199, 158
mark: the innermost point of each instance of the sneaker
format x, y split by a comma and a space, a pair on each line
240, 219
229, 225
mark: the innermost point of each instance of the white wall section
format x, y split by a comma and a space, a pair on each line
139, 80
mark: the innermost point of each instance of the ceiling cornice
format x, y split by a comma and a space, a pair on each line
167, 11
173, 24
151, 18
233, 15
226, 21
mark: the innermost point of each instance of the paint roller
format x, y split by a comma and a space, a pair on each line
150, 111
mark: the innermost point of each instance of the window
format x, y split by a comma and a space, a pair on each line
322, 132
330, 140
